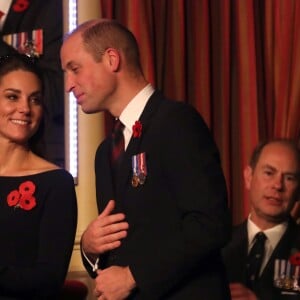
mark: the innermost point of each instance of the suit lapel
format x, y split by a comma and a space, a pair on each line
241, 251
135, 144
104, 183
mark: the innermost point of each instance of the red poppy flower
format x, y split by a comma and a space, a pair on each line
137, 129
13, 198
295, 259
27, 202
20, 5
27, 187
23, 198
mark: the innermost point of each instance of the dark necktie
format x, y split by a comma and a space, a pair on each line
254, 259
117, 143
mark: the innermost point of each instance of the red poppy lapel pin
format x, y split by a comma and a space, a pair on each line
23, 197
137, 129
20, 5
295, 259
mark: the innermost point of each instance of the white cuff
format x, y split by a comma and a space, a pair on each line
93, 265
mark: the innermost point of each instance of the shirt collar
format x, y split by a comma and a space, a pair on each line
135, 107
273, 234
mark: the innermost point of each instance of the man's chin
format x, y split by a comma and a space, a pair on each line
279, 218
87, 110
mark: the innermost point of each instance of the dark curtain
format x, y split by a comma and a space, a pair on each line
236, 61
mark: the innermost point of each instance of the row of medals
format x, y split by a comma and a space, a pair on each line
138, 179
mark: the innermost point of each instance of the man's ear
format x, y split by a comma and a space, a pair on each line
113, 58
248, 177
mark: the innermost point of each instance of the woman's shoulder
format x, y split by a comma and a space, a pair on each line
38, 167
43, 167
51, 175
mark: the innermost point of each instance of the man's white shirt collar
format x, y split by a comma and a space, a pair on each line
273, 234
133, 111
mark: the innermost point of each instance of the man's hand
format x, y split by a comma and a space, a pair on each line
114, 283
240, 292
105, 232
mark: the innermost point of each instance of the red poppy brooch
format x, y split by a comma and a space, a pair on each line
20, 5
23, 197
137, 129
295, 259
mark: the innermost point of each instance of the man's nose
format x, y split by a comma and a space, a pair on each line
278, 182
69, 83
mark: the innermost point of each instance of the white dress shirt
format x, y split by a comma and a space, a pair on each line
273, 235
133, 111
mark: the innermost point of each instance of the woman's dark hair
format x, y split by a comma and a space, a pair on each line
14, 62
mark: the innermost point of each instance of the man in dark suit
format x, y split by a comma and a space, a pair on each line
20, 21
160, 237
272, 179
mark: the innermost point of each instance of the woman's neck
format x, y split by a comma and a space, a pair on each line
14, 159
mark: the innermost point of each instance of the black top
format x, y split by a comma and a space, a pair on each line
38, 218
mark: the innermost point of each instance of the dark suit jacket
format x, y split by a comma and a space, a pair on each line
235, 254
46, 15
178, 220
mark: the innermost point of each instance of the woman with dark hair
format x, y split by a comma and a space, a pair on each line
38, 207
14, 62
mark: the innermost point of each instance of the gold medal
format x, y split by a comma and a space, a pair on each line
134, 181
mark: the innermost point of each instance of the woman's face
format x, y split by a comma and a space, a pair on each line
20, 106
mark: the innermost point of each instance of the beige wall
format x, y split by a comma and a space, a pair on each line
90, 134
